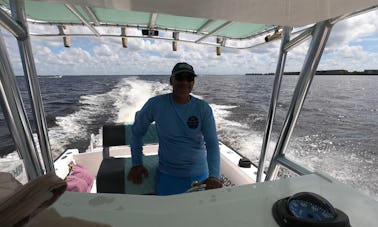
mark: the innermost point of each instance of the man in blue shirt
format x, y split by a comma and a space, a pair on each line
188, 143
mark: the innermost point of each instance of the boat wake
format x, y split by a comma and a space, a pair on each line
243, 135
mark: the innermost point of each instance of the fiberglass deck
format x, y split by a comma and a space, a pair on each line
248, 205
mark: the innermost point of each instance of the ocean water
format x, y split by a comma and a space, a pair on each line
336, 133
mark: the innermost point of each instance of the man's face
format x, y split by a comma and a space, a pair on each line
182, 84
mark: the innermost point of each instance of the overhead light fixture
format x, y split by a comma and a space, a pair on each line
67, 41
124, 38
175, 36
276, 35
64, 30
218, 49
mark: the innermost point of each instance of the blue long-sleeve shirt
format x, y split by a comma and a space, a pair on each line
188, 142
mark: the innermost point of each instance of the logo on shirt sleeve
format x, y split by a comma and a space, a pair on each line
192, 122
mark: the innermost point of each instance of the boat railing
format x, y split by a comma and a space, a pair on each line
11, 100
14, 113
320, 35
292, 166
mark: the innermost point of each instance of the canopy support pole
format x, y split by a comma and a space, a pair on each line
15, 115
320, 36
82, 18
273, 100
11, 25
26, 53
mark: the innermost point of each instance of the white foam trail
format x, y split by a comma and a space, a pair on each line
131, 94
74, 126
239, 136
315, 153
221, 112
128, 96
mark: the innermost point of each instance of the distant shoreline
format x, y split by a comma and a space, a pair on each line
327, 72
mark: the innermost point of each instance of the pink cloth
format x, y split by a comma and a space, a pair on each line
80, 180
76, 184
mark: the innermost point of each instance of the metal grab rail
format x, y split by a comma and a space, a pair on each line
12, 26
18, 13
15, 115
273, 101
320, 36
298, 169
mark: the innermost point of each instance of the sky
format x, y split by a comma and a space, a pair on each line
352, 45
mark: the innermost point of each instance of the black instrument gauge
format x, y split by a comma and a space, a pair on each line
308, 209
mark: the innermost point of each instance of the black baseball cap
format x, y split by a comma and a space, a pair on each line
183, 67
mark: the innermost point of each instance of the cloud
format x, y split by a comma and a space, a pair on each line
104, 51
350, 44
354, 29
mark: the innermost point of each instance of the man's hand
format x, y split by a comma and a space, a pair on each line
136, 174
211, 183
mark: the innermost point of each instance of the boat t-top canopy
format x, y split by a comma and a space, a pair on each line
275, 12
225, 20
